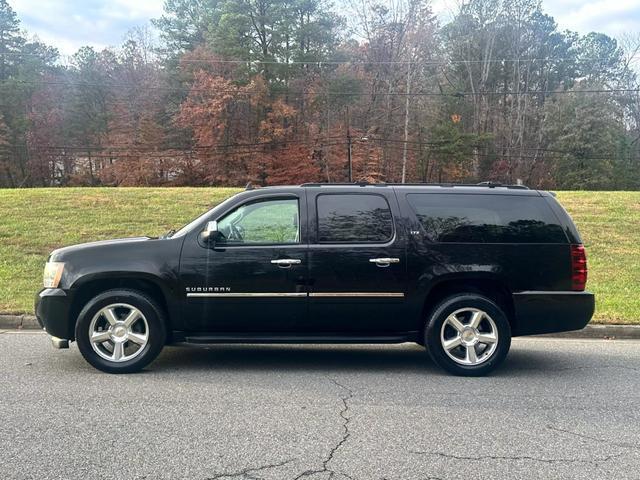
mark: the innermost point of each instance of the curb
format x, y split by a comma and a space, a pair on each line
608, 332
19, 322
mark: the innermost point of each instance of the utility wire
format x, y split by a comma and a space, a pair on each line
182, 153
488, 145
553, 156
150, 155
398, 62
238, 92
436, 146
136, 147
359, 62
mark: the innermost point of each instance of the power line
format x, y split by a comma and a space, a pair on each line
362, 62
397, 62
134, 147
132, 153
500, 156
195, 153
239, 92
437, 146
496, 148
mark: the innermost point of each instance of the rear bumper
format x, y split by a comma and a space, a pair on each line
52, 307
551, 312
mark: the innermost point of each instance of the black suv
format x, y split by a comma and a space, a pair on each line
458, 268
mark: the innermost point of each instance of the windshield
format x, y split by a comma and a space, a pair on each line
189, 226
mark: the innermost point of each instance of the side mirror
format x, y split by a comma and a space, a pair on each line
210, 234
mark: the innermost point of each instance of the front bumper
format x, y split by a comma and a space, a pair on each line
550, 312
52, 306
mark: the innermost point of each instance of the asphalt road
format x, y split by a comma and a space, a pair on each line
557, 409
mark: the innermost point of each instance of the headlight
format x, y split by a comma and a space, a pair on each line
52, 274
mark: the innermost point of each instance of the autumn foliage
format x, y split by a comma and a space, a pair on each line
286, 92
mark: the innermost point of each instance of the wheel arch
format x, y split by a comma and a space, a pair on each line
491, 286
86, 288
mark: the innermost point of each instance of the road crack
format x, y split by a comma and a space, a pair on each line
593, 439
517, 458
429, 477
248, 472
345, 436
596, 367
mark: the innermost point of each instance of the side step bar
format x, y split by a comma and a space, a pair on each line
205, 339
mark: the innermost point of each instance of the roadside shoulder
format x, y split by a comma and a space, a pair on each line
620, 332
19, 322
610, 332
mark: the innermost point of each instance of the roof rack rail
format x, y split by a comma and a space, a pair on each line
339, 184
488, 184
492, 184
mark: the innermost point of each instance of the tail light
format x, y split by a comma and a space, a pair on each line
578, 268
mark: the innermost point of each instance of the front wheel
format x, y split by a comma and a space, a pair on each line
120, 331
468, 334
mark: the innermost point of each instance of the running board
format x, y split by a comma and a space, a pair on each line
205, 339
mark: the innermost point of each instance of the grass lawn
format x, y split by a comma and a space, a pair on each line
609, 223
35, 221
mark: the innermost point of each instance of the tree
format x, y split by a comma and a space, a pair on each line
285, 161
282, 92
186, 23
600, 60
586, 139
399, 43
91, 75
11, 41
5, 152
275, 31
210, 112
51, 157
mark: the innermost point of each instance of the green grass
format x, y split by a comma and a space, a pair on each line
35, 221
609, 223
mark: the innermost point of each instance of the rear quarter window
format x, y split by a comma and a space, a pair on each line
471, 218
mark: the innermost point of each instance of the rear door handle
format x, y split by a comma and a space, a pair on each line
384, 261
286, 262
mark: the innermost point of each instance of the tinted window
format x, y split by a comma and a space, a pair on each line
486, 218
267, 221
354, 219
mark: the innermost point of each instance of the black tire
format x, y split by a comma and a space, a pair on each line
156, 333
460, 303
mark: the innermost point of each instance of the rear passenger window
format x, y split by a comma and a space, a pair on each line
486, 218
353, 219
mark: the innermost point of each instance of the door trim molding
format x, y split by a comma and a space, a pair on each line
296, 294
355, 294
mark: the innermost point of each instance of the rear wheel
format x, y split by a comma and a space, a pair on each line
120, 331
468, 334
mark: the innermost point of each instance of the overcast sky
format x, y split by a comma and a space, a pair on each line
70, 24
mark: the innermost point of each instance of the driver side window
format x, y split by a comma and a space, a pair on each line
262, 222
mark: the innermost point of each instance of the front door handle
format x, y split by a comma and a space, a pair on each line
384, 261
286, 262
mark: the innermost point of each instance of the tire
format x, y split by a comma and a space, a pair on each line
471, 351
128, 328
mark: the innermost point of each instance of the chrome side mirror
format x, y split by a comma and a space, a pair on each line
210, 233
212, 227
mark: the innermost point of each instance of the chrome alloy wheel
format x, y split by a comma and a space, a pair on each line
118, 332
469, 336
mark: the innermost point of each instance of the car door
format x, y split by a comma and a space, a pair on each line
357, 267
253, 279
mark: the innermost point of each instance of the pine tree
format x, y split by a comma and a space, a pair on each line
10, 39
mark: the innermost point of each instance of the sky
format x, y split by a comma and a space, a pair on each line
70, 24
